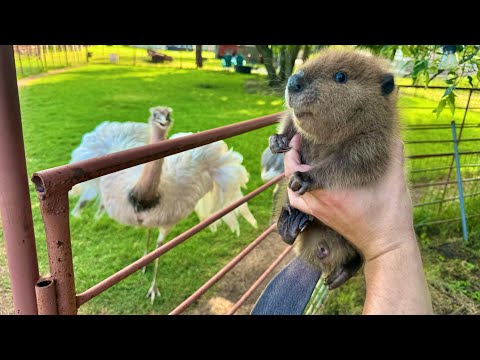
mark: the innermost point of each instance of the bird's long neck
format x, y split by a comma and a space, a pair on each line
146, 188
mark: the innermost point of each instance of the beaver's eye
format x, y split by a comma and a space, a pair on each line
341, 77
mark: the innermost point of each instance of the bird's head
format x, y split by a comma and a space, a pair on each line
160, 117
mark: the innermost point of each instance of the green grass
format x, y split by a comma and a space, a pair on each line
57, 110
135, 56
28, 65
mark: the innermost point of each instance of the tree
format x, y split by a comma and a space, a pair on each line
267, 53
198, 56
286, 54
430, 61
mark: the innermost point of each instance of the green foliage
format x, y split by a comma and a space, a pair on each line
428, 65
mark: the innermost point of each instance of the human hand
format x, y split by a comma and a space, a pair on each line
374, 219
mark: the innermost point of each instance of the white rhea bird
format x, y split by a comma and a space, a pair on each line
161, 193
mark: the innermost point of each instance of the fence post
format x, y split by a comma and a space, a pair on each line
52, 55
19, 60
45, 56
15, 204
459, 181
459, 137
66, 54
29, 60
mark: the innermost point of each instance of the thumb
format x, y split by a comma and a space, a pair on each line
292, 159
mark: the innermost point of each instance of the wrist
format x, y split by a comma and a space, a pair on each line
395, 282
383, 244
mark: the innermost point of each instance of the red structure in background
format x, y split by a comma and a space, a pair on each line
222, 50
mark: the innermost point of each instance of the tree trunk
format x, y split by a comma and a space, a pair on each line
306, 52
198, 57
288, 55
293, 51
317, 48
267, 55
281, 63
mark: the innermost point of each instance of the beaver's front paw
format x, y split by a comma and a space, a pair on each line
300, 182
278, 143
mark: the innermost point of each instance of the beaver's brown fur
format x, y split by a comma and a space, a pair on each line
348, 130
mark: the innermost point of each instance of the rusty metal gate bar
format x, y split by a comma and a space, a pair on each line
259, 281
215, 278
146, 259
15, 204
52, 186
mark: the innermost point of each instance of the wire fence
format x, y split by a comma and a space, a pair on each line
439, 202
35, 59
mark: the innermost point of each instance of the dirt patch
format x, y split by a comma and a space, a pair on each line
26, 80
229, 289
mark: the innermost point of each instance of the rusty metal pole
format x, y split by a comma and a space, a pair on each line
46, 297
55, 213
15, 204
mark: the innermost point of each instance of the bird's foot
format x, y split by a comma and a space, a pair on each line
278, 143
153, 292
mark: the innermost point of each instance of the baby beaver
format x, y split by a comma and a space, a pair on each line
343, 104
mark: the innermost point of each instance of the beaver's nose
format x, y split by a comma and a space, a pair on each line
296, 82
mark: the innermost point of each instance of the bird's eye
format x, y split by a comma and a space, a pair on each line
341, 77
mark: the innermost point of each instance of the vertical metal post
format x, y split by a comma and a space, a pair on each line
15, 204
459, 137
44, 49
459, 182
29, 59
20, 61
55, 213
46, 298
52, 55
66, 54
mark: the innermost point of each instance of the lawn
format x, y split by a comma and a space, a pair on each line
136, 56
57, 110
30, 64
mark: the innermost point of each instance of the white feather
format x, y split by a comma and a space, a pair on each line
205, 179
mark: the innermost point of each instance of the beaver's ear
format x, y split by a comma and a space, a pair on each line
387, 83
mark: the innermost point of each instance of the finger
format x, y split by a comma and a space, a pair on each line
291, 161
296, 143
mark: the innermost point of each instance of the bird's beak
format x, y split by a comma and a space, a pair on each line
162, 121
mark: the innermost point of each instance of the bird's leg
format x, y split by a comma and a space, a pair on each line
146, 249
153, 291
